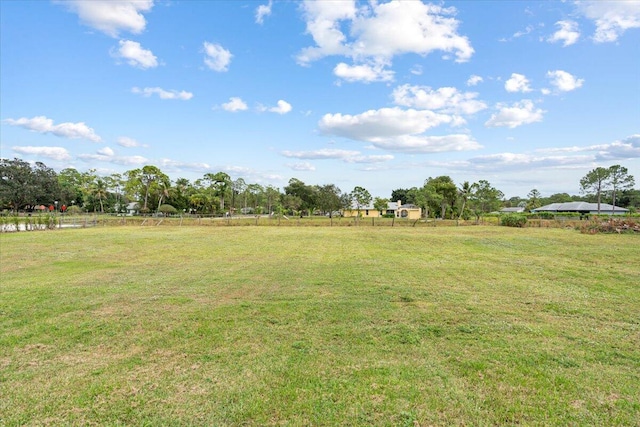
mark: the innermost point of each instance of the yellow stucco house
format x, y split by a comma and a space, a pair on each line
397, 209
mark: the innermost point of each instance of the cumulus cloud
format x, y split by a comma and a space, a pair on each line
364, 73
612, 18
383, 123
568, 33
517, 114
135, 55
564, 81
163, 94
217, 58
517, 83
42, 124
418, 28
396, 129
111, 17
444, 99
55, 153
428, 143
474, 80
282, 107
235, 104
262, 11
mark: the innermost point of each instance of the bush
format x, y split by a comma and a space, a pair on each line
513, 220
167, 209
611, 225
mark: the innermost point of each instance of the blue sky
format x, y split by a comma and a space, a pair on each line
380, 94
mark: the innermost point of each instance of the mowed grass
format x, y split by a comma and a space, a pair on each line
319, 326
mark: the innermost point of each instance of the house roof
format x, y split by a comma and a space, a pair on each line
580, 207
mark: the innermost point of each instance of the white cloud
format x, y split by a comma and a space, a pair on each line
163, 94
176, 165
417, 28
474, 80
235, 104
43, 124
111, 17
262, 11
217, 57
107, 155
612, 18
628, 148
517, 83
301, 167
364, 73
444, 99
518, 114
564, 81
524, 32
347, 156
135, 55
283, 107
567, 33
428, 144
396, 129
55, 153
125, 141
582, 157
322, 154
106, 151
374, 125
416, 70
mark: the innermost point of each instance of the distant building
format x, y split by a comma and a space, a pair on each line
396, 209
583, 208
517, 209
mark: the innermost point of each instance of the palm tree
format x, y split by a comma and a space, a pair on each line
465, 191
99, 190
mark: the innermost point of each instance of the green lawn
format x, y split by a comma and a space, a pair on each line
319, 326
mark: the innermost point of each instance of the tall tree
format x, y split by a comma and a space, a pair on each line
380, 204
306, 193
360, 197
23, 185
142, 183
595, 182
70, 182
534, 199
485, 198
272, 194
328, 199
99, 190
464, 192
222, 183
619, 179
441, 193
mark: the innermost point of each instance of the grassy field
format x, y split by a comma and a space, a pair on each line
319, 326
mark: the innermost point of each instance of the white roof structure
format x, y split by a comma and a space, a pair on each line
581, 207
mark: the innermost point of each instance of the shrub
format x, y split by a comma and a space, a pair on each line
167, 209
611, 225
513, 220
74, 210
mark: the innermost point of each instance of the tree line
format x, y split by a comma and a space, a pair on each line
25, 186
